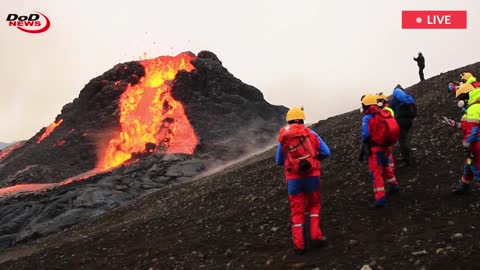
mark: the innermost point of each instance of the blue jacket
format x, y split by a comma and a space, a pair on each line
323, 151
365, 131
400, 98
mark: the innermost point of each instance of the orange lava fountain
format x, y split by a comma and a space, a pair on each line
49, 130
149, 115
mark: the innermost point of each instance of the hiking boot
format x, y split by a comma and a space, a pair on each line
395, 188
318, 242
298, 251
379, 203
462, 188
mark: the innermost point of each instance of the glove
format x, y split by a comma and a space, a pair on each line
450, 122
364, 149
362, 153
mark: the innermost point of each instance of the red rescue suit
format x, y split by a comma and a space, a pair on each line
303, 190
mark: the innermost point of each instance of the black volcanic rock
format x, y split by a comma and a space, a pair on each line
229, 117
235, 117
85, 121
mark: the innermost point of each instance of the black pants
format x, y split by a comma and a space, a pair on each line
405, 124
420, 72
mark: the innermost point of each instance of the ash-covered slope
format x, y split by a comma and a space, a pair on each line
224, 112
212, 99
239, 218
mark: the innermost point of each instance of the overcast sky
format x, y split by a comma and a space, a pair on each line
320, 54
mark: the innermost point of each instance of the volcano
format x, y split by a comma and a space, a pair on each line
141, 126
239, 217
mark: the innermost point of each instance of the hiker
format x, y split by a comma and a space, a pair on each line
469, 101
405, 110
421, 65
379, 132
382, 102
465, 77
300, 151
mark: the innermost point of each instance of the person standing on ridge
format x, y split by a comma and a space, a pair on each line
405, 110
300, 151
421, 65
379, 132
469, 101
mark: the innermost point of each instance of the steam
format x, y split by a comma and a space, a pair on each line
219, 167
254, 142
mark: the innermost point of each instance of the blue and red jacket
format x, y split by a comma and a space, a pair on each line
321, 147
365, 124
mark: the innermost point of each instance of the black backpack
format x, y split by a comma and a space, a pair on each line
408, 110
411, 110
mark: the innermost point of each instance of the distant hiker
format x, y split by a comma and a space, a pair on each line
405, 110
469, 101
300, 150
379, 132
421, 65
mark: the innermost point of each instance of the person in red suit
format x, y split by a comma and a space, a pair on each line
379, 132
300, 151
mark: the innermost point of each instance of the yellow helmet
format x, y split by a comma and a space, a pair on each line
295, 113
381, 96
463, 89
465, 76
369, 99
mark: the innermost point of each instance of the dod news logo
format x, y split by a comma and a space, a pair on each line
33, 23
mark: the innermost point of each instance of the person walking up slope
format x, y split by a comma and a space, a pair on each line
379, 132
405, 110
300, 151
469, 101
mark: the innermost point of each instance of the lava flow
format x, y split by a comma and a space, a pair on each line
49, 130
150, 118
4, 152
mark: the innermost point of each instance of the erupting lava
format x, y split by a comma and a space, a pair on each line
150, 118
49, 130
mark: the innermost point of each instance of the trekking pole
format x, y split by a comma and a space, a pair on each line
449, 123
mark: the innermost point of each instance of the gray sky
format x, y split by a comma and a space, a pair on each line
320, 54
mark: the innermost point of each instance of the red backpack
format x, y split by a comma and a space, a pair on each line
383, 128
300, 153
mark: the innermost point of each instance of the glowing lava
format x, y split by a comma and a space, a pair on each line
4, 152
24, 188
49, 130
149, 116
